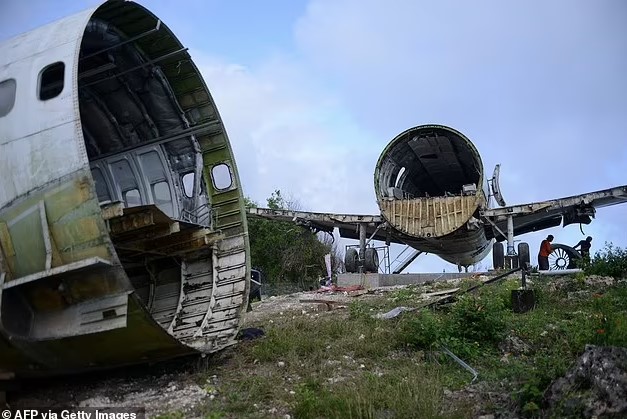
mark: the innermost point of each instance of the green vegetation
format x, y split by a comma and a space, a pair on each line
286, 252
610, 261
347, 363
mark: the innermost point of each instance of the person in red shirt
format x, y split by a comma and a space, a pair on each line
543, 254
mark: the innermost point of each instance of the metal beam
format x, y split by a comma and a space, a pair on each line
198, 129
137, 67
510, 236
129, 40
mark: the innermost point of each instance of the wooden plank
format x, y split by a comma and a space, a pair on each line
110, 211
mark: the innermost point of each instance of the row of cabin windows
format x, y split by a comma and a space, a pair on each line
51, 82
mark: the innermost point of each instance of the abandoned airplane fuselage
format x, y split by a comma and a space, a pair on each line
430, 187
123, 233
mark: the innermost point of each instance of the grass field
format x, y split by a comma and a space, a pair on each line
346, 363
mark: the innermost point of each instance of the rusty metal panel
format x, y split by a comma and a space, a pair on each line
429, 217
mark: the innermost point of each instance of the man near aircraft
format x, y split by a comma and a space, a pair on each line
545, 251
584, 246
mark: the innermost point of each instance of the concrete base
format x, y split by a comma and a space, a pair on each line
388, 280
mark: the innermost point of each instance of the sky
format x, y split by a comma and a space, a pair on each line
312, 91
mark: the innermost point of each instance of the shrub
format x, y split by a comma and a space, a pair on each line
478, 319
423, 331
610, 261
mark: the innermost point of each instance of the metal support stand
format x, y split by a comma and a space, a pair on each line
510, 236
511, 258
362, 246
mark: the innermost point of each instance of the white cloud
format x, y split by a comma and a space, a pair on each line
288, 134
538, 88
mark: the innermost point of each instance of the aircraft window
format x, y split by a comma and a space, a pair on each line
132, 198
188, 184
163, 198
101, 185
152, 166
123, 175
51, 81
221, 176
7, 96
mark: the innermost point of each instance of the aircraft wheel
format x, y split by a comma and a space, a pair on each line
498, 255
371, 262
523, 254
563, 257
351, 259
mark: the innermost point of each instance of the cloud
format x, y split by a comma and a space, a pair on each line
289, 134
537, 86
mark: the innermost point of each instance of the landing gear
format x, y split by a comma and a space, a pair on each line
364, 260
510, 261
523, 254
498, 256
371, 260
351, 260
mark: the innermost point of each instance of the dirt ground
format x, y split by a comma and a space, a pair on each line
172, 386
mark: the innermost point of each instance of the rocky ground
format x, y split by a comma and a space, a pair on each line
175, 385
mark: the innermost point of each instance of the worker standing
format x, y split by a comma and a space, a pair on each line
584, 248
543, 254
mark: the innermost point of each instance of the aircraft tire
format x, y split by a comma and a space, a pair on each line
350, 260
563, 257
371, 260
498, 256
523, 254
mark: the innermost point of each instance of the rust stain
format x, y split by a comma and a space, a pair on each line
74, 255
67, 200
46, 298
79, 231
6, 246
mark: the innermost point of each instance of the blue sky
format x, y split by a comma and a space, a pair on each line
312, 91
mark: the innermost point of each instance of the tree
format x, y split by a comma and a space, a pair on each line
284, 251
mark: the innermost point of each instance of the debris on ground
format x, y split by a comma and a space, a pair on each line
250, 333
393, 313
327, 305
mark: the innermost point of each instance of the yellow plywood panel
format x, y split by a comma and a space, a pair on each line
429, 217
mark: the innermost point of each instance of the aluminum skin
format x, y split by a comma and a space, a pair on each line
123, 234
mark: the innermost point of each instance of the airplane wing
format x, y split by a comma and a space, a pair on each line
578, 209
347, 224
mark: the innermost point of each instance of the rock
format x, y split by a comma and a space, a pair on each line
596, 387
602, 281
514, 345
